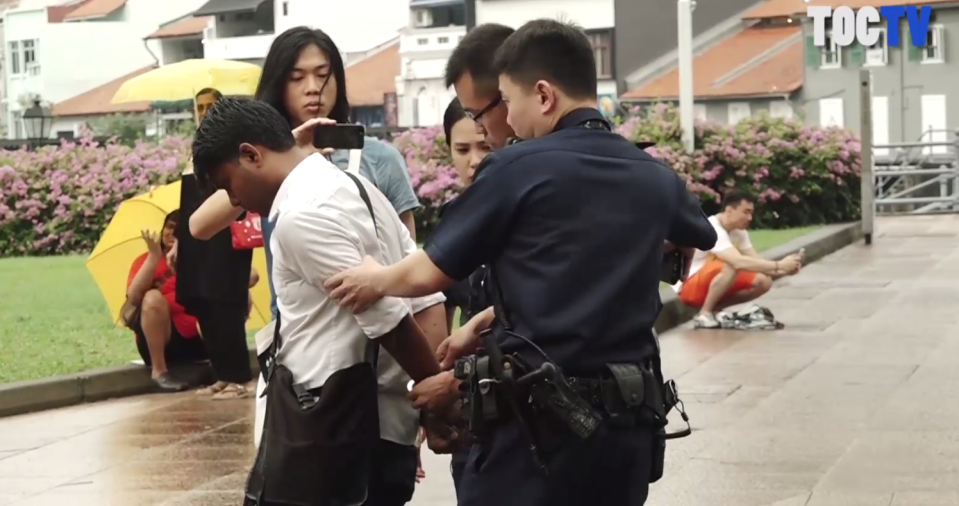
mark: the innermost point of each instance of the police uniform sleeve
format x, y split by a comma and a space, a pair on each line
475, 225
690, 227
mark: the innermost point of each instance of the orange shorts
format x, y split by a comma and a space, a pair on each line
694, 290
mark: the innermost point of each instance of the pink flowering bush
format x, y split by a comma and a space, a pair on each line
800, 175
59, 199
431, 171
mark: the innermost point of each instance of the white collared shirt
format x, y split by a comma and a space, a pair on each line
322, 227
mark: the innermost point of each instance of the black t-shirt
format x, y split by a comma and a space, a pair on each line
573, 226
208, 272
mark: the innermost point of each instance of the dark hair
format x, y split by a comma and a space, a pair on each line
474, 54
207, 91
550, 50
454, 113
281, 59
736, 197
173, 216
231, 122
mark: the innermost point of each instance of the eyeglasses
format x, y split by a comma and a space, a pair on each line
492, 105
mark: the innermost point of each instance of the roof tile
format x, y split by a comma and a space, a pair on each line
94, 9
372, 77
98, 100
181, 28
757, 61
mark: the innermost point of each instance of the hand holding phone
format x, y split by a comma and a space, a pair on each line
338, 136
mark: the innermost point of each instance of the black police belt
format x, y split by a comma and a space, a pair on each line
629, 395
500, 387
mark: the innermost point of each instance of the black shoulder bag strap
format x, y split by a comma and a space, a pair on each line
372, 347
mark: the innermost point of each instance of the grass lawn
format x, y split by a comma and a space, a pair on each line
54, 320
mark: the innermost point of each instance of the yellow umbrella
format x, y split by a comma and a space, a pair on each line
121, 244
182, 80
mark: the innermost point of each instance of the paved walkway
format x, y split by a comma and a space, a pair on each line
855, 403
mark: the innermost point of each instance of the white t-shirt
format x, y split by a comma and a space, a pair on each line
738, 239
322, 227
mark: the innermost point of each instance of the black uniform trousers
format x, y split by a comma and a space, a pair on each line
393, 477
223, 327
610, 469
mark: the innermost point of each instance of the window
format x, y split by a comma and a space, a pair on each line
286, 8
30, 61
934, 50
603, 52
244, 16
934, 125
738, 111
831, 54
780, 109
699, 112
17, 120
880, 125
831, 112
422, 18
878, 53
422, 42
443, 40
14, 58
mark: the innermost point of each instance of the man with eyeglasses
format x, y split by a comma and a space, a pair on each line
470, 72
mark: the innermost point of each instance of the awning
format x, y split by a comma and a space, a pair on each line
216, 7
435, 3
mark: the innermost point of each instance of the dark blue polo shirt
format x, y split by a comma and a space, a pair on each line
573, 224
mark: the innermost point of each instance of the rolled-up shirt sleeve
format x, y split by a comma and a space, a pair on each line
319, 243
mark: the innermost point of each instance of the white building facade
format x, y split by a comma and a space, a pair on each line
435, 28
245, 29
51, 55
595, 17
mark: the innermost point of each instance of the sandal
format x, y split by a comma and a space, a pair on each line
213, 389
232, 391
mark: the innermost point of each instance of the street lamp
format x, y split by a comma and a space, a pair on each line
685, 50
38, 122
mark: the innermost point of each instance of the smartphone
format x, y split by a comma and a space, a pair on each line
339, 136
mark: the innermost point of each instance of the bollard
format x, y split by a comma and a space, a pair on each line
868, 182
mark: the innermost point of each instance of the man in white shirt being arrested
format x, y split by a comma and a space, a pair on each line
322, 227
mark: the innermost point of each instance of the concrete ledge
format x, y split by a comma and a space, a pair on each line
96, 385
828, 239
127, 380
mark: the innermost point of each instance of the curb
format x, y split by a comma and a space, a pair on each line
827, 240
128, 380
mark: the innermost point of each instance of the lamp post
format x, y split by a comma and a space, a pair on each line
685, 49
38, 122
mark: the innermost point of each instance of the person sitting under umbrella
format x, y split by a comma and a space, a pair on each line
165, 333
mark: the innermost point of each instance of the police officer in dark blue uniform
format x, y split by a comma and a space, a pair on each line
572, 222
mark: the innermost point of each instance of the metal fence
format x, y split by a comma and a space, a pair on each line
905, 177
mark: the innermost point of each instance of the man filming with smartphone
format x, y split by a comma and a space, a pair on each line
732, 272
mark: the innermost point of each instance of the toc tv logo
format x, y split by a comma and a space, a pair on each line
849, 26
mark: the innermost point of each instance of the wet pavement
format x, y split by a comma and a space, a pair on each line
854, 403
